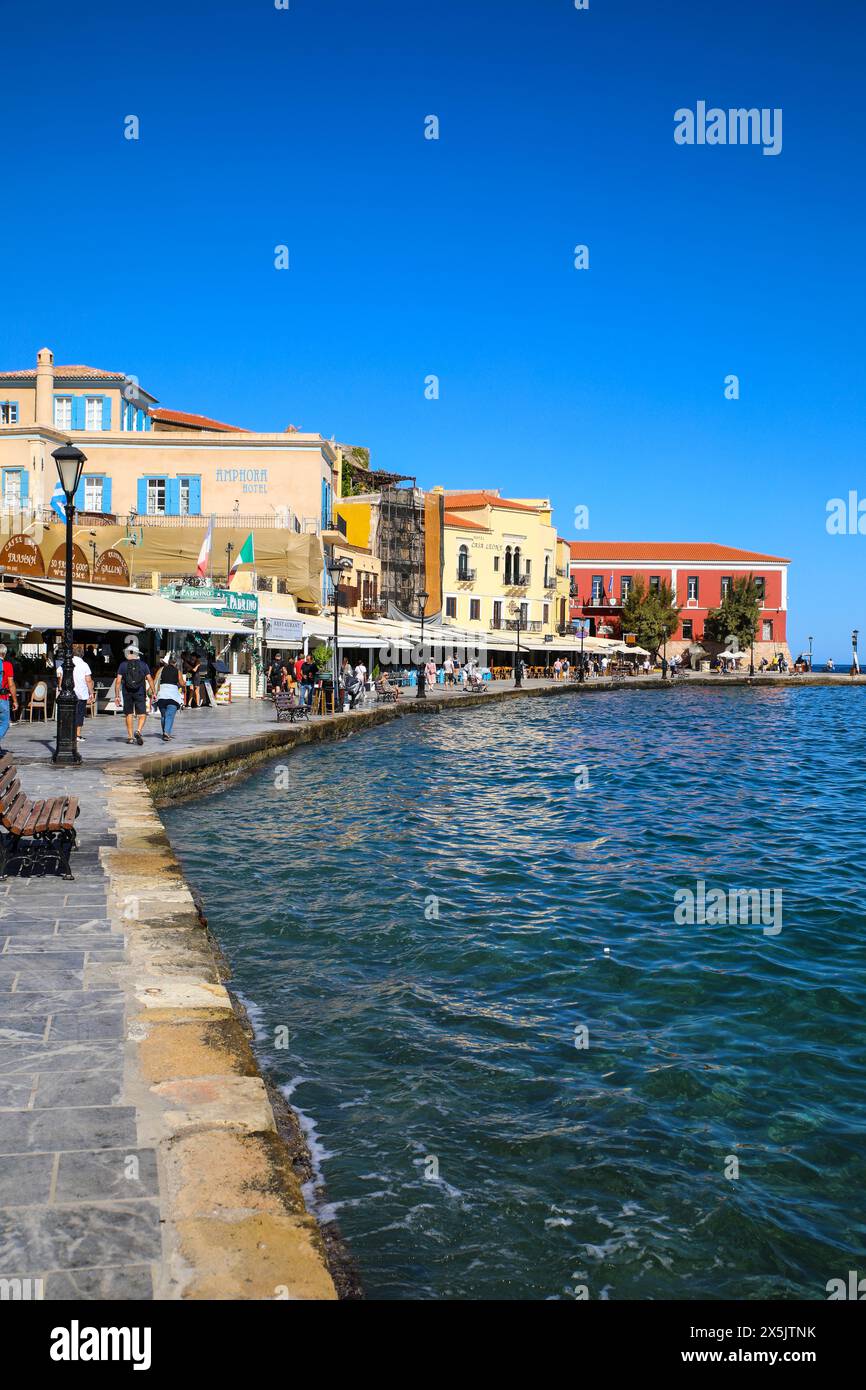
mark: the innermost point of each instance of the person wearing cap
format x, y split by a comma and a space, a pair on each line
134, 680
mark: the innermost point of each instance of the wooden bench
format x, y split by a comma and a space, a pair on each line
289, 707
38, 834
388, 694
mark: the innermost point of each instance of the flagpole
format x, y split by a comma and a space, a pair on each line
210, 553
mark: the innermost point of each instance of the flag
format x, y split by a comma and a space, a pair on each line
245, 556
58, 500
610, 586
204, 553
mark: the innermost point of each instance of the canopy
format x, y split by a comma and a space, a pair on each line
21, 612
135, 608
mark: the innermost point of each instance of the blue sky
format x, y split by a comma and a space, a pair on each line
454, 257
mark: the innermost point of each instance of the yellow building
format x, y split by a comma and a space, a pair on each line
503, 562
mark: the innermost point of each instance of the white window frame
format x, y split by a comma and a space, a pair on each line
63, 412
94, 493
92, 413
9, 409
12, 494
692, 588
184, 496
153, 487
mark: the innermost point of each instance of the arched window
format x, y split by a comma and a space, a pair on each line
546, 570
516, 568
508, 564
463, 562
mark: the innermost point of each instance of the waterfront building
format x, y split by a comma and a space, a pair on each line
602, 573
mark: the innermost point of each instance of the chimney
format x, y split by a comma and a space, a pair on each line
45, 387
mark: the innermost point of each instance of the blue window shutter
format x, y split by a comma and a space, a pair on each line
25, 485
78, 499
195, 496
172, 497
106, 412
78, 416
106, 494
141, 497
148, 423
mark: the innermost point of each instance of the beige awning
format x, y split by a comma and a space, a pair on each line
138, 608
31, 614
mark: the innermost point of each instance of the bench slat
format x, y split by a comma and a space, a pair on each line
63, 813
44, 817
17, 817
10, 812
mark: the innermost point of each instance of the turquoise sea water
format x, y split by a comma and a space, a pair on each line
432, 909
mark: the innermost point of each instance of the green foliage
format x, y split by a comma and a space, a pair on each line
350, 484
737, 616
322, 656
650, 614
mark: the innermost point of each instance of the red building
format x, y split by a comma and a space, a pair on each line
603, 571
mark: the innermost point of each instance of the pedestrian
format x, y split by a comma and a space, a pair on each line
566, 667
8, 695
82, 679
448, 668
309, 676
430, 673
170, 686
830, 666
194, 678
361, 677
133, 682
557, 669
299, 662
276, 675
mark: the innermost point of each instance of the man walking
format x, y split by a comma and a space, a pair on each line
7, 693
82, 679
134, 680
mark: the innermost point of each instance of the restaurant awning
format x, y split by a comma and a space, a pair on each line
23, 612
136, 608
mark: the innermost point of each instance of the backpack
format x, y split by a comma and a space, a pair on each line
133, 676
275, 673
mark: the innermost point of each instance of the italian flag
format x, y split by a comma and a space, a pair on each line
204, 553
245, 556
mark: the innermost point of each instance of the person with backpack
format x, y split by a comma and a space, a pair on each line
277, 674
133, 682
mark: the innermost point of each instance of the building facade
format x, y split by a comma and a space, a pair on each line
698, 574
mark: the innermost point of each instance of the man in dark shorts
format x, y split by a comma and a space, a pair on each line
133, 682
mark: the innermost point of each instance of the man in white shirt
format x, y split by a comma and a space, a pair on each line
83, 681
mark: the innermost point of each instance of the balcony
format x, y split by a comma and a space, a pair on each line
550, 586
510, 625
516, 581
283, 520
465, 576
373, 608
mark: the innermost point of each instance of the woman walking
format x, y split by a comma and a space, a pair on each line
170, 686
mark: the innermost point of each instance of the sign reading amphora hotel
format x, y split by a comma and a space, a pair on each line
21, 555
80, 567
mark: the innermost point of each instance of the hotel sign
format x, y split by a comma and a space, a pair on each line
21, 555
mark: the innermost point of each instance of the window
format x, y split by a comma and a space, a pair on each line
496, 564
184, 496
625, 586
693, 587
63, 412
546, 614
687, 630
726, 585
524, 614
463, 562
761, 586
8, 412
450, 608
497, 613
156, 496
655, 583
475, 609
93, 491
546, 570
528, 568
11, 486
767, 630
597, 587
508, 564
93, 413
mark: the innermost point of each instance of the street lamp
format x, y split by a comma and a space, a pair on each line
229, 549
517, 609
421, 692
70, 464
336, 569
752, 656
665, 655
581, 675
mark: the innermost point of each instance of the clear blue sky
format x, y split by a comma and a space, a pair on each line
409, 257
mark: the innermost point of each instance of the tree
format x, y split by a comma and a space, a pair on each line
650, 614
738, 614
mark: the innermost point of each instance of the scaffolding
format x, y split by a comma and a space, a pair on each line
400, 546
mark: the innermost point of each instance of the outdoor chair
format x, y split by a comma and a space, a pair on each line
38, 700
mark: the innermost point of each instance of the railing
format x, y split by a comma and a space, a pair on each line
517, 581
465, 576
550, 586
511, 625
373, 608
283, 520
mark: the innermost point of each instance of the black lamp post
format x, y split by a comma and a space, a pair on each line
421, 692
517, 609
70, 463
752, 657
582, 674
229, 549
665, 655
336, 569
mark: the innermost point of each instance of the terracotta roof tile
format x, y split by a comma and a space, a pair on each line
199, 422
680, 552
461, 522
467, 501
68, 373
